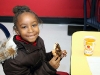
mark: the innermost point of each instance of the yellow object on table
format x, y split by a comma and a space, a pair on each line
79, 64
89, 44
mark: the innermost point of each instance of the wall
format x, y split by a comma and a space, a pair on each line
46, 8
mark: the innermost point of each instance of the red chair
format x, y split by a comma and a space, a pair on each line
62, 73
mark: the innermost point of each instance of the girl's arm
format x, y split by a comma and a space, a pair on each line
49, 56
16, 68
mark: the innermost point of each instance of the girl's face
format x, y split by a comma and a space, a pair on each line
27, 27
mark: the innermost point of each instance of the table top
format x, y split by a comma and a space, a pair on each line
79, 64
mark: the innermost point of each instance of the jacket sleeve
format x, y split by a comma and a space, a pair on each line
45, 69
48, 55
15, 67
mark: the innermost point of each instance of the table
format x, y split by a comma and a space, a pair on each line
79, 64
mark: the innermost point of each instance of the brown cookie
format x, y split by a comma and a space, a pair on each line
58, 49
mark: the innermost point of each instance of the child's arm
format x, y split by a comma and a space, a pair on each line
49, 56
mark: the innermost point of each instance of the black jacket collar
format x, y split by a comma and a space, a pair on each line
29, 48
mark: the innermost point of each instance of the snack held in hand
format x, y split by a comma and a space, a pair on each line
57, 49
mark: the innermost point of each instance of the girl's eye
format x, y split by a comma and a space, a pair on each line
24, 26
34, 25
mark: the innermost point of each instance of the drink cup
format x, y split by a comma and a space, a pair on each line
89, 43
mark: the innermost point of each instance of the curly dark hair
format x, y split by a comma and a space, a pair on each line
17, 10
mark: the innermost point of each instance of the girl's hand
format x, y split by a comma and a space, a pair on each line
55, 62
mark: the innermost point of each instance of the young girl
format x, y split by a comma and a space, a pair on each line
24, 53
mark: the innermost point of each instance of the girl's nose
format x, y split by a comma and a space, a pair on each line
30, 29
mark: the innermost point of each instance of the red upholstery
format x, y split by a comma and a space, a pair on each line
62, 73
98, 11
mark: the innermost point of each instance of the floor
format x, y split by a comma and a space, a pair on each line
51, 33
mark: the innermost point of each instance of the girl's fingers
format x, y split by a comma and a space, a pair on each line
54, 53
55, 58
58, 60
64, 51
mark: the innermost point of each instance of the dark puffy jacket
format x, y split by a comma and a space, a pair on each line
29, 60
